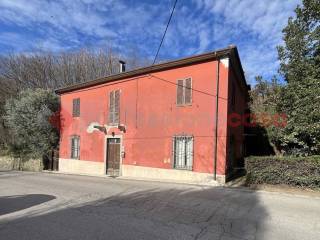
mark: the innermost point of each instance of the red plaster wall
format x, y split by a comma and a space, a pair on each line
148, 109
236, 114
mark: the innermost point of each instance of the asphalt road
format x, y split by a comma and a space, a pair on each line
54, 206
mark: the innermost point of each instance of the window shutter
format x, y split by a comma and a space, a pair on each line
73, 107
180, 92
76, 107
111, 107
188, 91
116, 106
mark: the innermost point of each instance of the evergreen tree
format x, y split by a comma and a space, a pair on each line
29, 118
300, 67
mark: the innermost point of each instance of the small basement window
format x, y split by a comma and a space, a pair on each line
183, 152
75, 147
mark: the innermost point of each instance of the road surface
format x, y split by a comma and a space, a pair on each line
55, 206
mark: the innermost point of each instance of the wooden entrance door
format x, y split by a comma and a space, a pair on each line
113, 156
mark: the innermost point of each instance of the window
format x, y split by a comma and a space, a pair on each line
184, 92
75, 147
183, 152
76, 107
114, 107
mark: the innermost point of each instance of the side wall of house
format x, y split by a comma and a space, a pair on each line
148, 110
237, 105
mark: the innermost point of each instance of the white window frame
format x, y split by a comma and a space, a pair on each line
183, 154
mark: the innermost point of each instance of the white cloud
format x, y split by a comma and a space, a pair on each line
63, 15
204, 41
254, 26
197, 26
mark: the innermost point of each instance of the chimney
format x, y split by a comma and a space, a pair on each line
122, 66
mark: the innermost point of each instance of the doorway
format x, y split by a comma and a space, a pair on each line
113, 156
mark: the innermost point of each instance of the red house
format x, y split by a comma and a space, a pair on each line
166, 121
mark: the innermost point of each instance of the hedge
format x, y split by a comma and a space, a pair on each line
294, 171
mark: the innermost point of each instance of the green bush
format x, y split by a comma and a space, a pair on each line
293, 171
31, 119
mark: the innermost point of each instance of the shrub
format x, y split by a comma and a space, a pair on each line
293, 171
29, 120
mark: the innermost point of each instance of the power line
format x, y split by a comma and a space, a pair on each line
193, 89
150, 76
174, 6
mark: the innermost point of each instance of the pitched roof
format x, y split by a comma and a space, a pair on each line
230, 51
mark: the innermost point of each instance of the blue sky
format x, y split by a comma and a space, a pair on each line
127, 25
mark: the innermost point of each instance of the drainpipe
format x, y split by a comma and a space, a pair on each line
216, 124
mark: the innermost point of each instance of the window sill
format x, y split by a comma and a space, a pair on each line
183, 168
184, 105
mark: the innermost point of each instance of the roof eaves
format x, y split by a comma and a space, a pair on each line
150, 69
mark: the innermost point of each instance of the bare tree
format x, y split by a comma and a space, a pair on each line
48, 70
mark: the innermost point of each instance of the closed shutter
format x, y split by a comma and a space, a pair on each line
116, 107
111, 107
187, 89
76, 107
180, 97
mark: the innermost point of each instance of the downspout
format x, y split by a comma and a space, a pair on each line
216, 120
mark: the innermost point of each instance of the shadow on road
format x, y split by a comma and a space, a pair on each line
215, 213
9, 204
